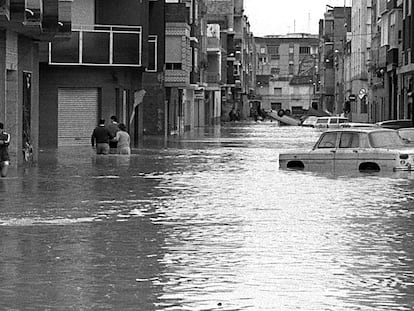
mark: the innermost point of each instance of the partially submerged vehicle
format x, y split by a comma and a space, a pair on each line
330, 122
353, 149
396, 124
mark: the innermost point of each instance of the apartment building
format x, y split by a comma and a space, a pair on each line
286, 73
231, 53
334, 30
360, 59
385, 49
406, 69
23, 24
185, 67
110, 64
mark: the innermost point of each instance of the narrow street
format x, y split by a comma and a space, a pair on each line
204, 222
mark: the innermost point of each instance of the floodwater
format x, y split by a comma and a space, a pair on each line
204, 222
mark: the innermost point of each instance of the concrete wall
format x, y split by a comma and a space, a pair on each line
19, 54
106, 79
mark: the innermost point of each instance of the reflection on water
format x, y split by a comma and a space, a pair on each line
204, 222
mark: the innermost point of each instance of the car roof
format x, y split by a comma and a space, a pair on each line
333, 117
361, 130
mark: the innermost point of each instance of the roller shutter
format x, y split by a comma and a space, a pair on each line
77, 115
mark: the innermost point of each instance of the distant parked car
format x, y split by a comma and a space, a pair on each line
309, 121
396, 124
353, 149
330, 122
407, 134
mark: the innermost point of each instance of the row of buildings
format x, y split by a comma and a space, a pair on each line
162, 66
360, 64
366, 60
169, 66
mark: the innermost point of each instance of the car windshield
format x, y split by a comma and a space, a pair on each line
385, 140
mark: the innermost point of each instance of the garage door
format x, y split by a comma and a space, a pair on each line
77, 115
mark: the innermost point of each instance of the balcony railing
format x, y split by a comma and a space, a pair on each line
99, 45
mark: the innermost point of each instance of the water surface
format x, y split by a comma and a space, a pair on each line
204, 222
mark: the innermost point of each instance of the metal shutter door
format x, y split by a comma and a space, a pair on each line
77, 115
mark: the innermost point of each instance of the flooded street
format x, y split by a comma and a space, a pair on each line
205, 222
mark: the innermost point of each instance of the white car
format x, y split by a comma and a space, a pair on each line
353, 149
330, 122
310, 121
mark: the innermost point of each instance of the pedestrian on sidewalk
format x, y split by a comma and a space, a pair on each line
124, 140
4, 152
101, 137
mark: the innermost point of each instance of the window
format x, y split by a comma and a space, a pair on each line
385, 139
152, 53
277, 91
173, 66
304, 50
276, 106
297, 110
327, 141
273, 49
291, 69
275, 71
349, 140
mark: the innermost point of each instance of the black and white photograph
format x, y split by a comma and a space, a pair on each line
206, 155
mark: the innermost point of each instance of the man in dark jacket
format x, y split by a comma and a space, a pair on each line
4, 154
101, 136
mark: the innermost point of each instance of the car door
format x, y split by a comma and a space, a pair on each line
322, 156
347, 153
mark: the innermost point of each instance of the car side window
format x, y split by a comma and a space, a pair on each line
349, 140
328, 140
333, 121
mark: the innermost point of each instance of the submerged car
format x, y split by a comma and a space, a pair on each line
310, 121
396, 124
330, 122
350, 149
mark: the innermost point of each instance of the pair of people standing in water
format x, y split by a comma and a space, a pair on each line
112, 137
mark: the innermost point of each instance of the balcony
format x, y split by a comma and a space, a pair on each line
392, 4
4, 10
213, 77
28, 12
99, 45
392, 57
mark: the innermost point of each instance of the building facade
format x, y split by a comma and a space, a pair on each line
231, 53
286, 73
334, 31
185, 67
406, 68
110, 64
23, 26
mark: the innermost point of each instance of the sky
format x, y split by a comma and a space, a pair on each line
279, 17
